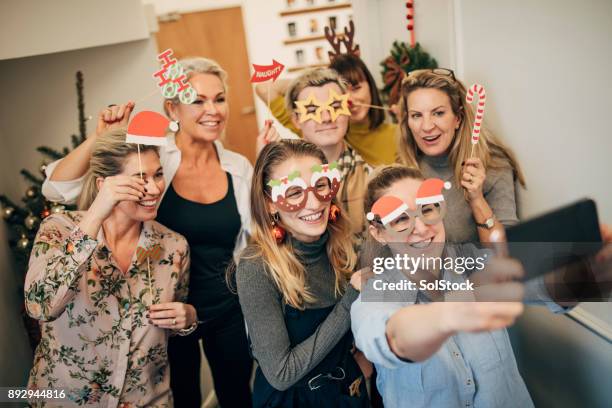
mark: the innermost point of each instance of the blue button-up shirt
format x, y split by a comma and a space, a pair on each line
469, 370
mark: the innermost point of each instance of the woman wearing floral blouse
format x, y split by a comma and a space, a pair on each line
107, 284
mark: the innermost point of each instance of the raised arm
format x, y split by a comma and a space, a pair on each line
416, 332
63, 182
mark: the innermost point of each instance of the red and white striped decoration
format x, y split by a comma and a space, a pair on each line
480, 108
410, 17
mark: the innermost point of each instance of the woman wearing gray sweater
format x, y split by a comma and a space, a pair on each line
293, 283
436, 126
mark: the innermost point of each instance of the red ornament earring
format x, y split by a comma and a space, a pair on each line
334, 213
278, 232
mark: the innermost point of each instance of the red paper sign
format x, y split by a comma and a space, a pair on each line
264, 73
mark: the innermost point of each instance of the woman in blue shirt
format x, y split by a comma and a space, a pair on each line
431, 353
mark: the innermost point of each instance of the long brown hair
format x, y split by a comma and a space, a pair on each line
490, 150
281, 263
354, 70
108, 157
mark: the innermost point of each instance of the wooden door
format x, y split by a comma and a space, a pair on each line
219, 34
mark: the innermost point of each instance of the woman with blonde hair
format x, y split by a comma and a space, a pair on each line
293, 283
436, 124
207, 201
94, 293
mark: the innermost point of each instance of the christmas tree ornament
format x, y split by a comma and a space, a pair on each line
31, 192
57, 209
31, 221
23, 243
45, 213
7, 212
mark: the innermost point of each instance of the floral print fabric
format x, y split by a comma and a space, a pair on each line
96, 342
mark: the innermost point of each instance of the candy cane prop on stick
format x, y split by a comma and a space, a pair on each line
480, 108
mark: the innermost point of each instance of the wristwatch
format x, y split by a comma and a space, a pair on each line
488, 224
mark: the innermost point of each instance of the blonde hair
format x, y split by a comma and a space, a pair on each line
281, 263
312, 77
199, 65
490, 150
108, 157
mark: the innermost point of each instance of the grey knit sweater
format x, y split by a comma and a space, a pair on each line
500, 191
262, 306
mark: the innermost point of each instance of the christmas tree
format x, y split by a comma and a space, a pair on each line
23, 220
403, 59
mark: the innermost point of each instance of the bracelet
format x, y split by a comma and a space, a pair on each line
189, 330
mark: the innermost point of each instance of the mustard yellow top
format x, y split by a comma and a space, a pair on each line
377, 146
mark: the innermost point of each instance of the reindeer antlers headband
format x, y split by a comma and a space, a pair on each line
336, 41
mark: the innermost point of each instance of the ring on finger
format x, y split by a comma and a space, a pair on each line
173, 322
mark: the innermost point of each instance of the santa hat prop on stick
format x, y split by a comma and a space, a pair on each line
147, 128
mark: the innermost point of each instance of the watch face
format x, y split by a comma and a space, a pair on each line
490, 222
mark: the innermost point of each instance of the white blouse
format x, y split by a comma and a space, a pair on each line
235, 164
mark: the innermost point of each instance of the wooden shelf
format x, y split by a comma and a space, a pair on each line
301, 67
304, 39
314, 9
309, 39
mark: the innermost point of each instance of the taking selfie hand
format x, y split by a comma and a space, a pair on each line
499, 281
172, 315
479, 316
115, 189
473, 178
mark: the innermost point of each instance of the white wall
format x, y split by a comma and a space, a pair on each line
42, 108
35, 27
546, 65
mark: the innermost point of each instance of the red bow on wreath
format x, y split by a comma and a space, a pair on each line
393, 77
